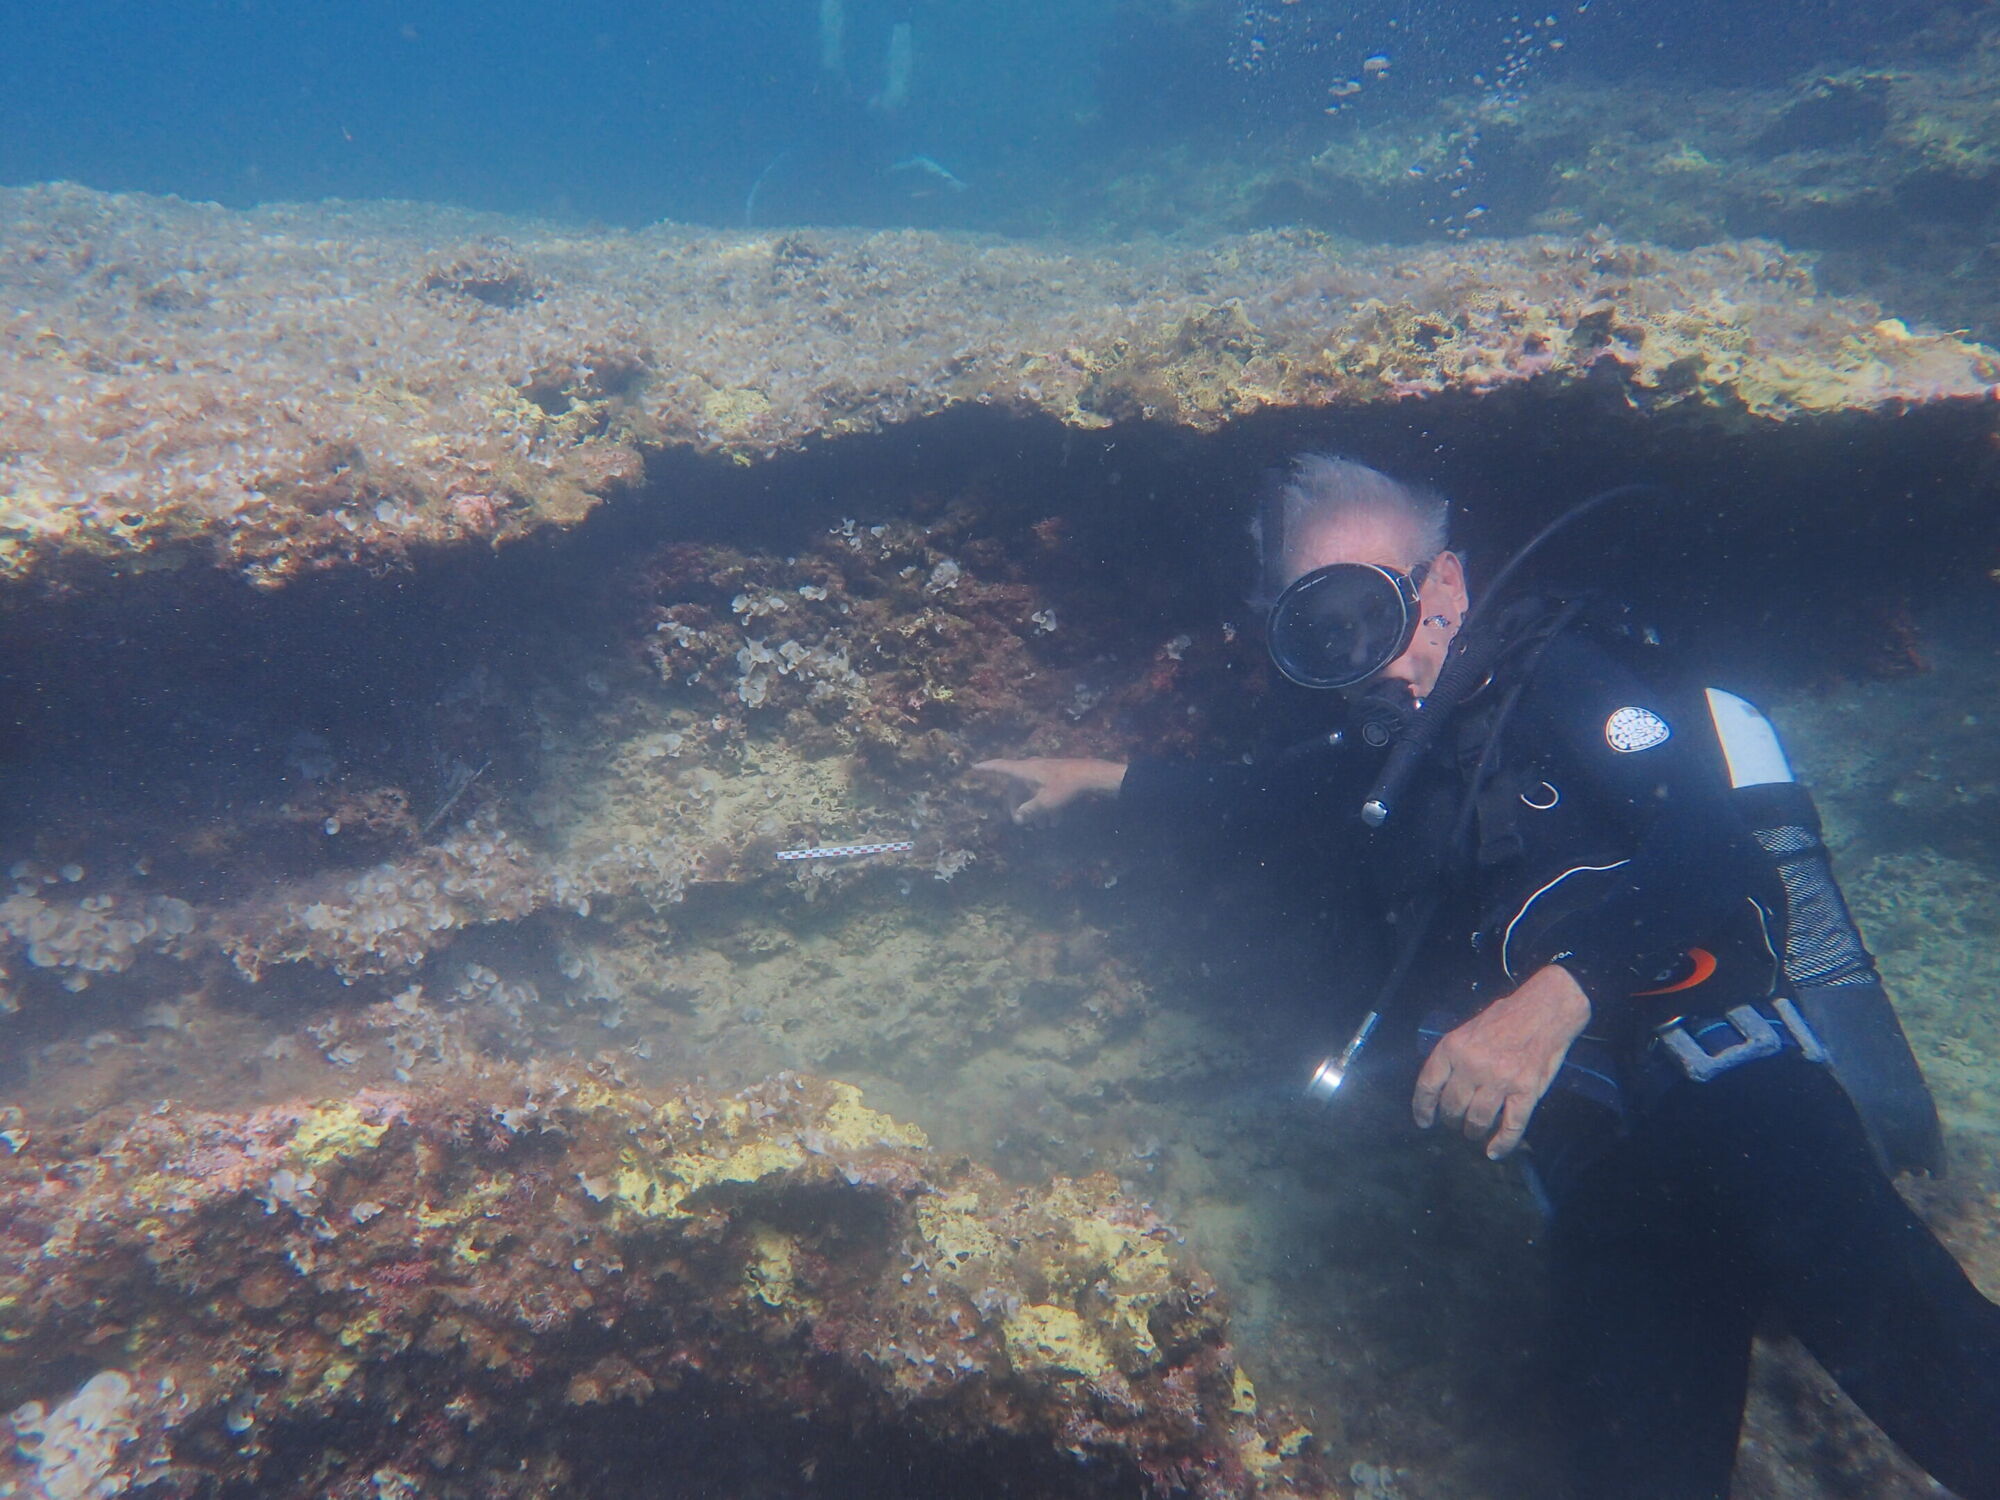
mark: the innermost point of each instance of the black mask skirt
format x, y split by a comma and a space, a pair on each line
1339, 625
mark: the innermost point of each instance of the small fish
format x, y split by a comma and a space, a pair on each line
934, 174
848, 851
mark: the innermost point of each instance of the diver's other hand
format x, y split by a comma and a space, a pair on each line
1493, 1070
1056, 781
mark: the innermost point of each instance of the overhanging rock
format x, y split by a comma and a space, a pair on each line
298, 388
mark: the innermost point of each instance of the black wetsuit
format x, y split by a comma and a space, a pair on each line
1682, 1213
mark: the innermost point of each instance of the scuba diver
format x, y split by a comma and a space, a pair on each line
1621, 945
858, 162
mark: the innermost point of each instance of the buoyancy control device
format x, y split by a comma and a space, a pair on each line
1828, 969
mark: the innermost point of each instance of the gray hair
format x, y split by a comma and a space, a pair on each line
1321, 488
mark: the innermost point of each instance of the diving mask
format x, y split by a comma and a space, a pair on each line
1339, 625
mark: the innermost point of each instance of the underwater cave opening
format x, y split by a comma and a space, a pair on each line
1775, 553
187, 733
220, 739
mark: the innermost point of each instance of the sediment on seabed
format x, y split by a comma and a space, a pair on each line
422, 634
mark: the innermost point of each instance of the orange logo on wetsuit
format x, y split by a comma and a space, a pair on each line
1703, 967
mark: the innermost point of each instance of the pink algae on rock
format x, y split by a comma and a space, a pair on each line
503, 1246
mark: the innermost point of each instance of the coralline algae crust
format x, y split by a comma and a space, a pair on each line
951, 1225
333, 1131
1040, 1336
468, 1238
727, 1144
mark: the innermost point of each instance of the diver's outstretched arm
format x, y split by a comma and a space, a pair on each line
1056, 781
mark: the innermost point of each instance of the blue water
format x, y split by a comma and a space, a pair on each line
629, 114
599, 111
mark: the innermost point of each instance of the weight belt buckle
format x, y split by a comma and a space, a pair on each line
1756, 1037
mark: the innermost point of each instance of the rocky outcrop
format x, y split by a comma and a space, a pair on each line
455, 1278
299, 388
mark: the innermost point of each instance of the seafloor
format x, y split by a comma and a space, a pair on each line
423, 634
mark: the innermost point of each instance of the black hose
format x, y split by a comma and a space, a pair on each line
1468, 663
1418, 929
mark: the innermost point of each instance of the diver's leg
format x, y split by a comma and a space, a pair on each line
833, 39
898, 62
1654, 1313
1862, 1282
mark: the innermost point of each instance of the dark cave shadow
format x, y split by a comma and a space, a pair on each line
1790, 531
702, 1441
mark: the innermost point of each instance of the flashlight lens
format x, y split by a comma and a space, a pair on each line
1326, 1079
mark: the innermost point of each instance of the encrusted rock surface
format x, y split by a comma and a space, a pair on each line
547, 823
444, 1275
757, 701
301, 387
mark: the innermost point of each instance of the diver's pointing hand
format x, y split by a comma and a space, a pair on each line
1055, 782
1488, 1075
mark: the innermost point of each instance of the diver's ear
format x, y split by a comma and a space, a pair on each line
1448, 576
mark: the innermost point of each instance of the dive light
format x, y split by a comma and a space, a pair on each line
1332, 1073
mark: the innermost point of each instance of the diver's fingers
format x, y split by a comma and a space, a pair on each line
1513, 1125
1027, 773
1459, 1091
1019, 770
1034, 810
1481, 1111
1430, 1084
